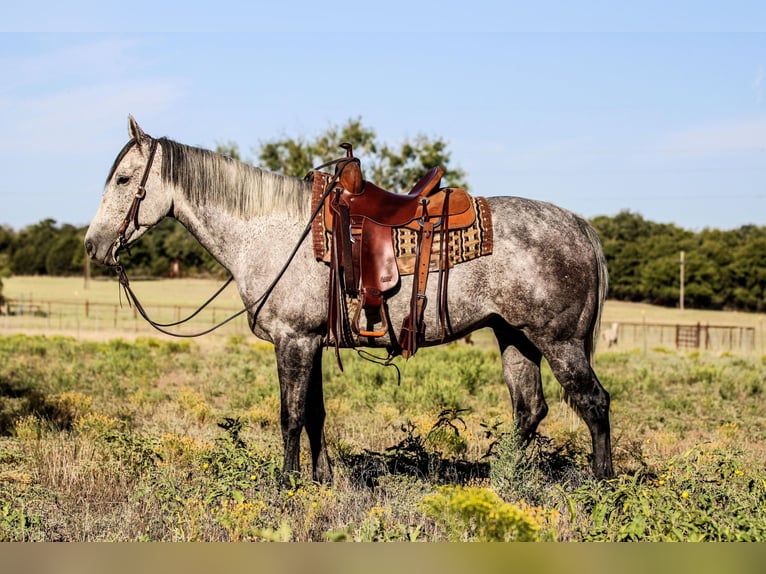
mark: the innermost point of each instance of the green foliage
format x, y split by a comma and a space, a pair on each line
229, 149
31, 248
297, 156
47, 248
514, 472
685, 392
701, 496
470, 513
160, 441
16, 525
394, 168
65, 255
724, 269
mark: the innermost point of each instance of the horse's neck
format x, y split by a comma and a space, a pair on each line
236, 243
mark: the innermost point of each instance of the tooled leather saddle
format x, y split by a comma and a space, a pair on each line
362, 220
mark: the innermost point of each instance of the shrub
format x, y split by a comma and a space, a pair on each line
471, 513
700, 496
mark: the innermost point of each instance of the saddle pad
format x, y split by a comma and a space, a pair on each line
464, 244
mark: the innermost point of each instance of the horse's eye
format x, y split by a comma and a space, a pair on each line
122, 179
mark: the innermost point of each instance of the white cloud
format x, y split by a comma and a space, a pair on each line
66, 97
728, 136
55, 62
73, 118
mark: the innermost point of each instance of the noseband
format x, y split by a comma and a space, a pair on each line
132, 215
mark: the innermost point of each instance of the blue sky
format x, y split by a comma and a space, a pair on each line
655, 107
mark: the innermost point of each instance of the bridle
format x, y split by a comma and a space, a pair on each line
132, 215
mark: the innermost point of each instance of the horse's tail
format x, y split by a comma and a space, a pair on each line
602, 288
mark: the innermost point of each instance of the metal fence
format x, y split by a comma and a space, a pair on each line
77, 317
718, 338
113, 320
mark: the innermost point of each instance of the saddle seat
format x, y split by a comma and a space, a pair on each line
398, 210
365, 200
389, 208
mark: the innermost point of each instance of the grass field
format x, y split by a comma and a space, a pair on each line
184, 292
137, 438
64, 305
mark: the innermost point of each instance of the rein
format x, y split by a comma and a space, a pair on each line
121, 243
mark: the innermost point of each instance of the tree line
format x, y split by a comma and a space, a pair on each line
722, 269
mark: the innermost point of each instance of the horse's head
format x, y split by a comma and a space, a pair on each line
135, 198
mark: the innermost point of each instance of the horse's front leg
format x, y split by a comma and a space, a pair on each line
299, 366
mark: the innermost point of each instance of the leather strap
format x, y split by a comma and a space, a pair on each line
132, 215
444, 252
413, 327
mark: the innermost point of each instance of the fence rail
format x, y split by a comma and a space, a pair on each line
113, 319
88, 316
721, 338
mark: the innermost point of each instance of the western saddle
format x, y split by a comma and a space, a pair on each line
362, 218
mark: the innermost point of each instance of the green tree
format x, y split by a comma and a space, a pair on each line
7, 243
32, 246
230, 149
748, 275
393, 167
65, 252
724, 269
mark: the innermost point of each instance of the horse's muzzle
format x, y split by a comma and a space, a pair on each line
94, 251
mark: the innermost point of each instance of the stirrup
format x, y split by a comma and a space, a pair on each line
362, 333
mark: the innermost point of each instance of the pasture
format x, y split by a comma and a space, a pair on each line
110, 434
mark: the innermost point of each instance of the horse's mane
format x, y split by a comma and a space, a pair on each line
209, 178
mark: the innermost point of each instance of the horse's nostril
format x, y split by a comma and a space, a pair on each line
89, 248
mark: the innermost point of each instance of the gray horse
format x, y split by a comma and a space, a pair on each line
541, 290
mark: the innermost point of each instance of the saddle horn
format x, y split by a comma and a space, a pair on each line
349, 171
348, 147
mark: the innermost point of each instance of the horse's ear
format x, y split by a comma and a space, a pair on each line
134, 131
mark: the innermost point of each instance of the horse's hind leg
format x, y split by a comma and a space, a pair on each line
299, 365
571, 367
521, 370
